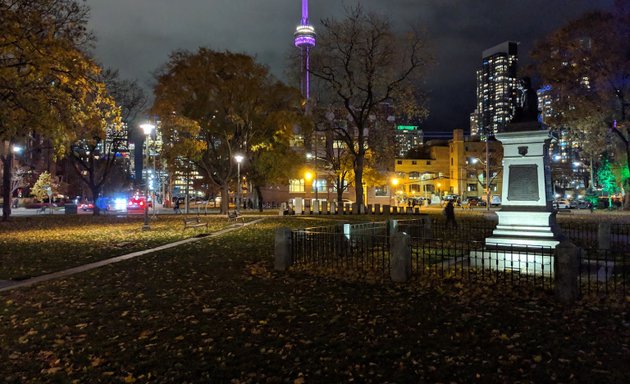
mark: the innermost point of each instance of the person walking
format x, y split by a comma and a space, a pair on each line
449, 212
176, 206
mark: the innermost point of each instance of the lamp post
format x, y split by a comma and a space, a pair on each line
487, 178
394, 184
238, 159
147, 128
314, 176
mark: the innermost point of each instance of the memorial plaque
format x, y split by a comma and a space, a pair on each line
523, 183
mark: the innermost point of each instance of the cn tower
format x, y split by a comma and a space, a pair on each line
305, 40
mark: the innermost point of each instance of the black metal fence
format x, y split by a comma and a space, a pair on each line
604, 272
478, 261
360, 247
447, 252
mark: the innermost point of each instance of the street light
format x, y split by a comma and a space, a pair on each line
147, 128
395, 182
310, 156
487, 165
238, 159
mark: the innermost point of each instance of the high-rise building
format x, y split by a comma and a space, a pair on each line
498, 92
407, 137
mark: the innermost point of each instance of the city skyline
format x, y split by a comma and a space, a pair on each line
136, 38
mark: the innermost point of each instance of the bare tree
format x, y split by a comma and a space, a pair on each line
362, 64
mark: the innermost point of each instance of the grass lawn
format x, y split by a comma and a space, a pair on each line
215, 311
32, 246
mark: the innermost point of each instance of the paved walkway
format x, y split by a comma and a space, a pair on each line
7, 285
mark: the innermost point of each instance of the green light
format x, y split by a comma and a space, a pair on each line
406, 127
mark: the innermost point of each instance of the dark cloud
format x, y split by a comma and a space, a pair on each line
136, 36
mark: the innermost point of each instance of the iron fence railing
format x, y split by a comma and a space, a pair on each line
478, 261
366, 249
464, 254
604, 272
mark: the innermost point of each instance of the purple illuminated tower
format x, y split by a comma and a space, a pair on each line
305, 40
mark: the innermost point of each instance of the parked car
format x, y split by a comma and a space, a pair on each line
561, 204
450, 197
137, 203
474, 201
86, 206
582, 204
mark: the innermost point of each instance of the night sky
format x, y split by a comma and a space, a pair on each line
136, 36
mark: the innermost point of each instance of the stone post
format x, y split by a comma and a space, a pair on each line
392, 226
369, 209
400, 258
566, 267
386, 209
316, 207
333, 208
603, 236
282, 249
426, 227
325, 208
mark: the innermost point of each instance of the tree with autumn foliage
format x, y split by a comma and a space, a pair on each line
586, 64
48, 85
95, 155
361, 65
214, 105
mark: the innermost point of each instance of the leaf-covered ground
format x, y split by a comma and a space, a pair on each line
214, 311
32, 246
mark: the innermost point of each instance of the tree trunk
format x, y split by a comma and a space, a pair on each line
225, 199
339, 192
260, 198
358, 181
7, 165
95, 192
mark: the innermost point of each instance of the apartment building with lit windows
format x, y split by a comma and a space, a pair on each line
497, 90
459, 166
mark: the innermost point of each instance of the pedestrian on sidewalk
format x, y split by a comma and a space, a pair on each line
449, 212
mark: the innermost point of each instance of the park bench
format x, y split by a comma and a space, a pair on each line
234, 216
193, 222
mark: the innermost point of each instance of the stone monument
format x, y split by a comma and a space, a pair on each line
526, 234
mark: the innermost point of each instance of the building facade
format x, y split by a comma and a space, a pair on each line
459, 167
497, 90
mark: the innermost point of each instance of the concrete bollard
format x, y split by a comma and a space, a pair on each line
369, 209
400, 261
333, 208
316, 207
282, 249
386, 209
566, 267
377, 209
392, 226
603, 236
426, 227
325, 208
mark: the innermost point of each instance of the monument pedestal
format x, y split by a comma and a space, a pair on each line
526, 234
